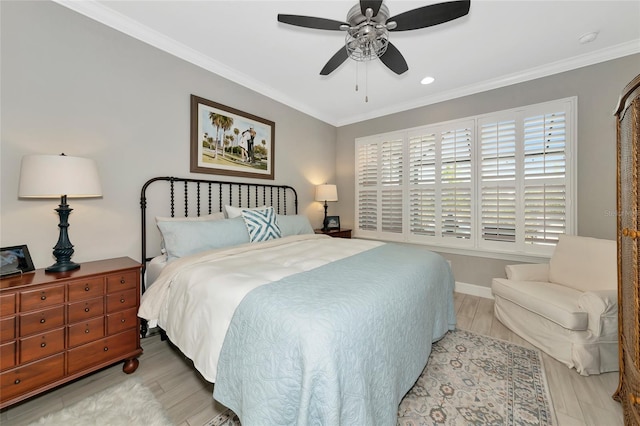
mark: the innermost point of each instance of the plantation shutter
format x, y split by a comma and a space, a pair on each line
422, 184
545, 186
498, 181
367, 160
392, 185
455, 177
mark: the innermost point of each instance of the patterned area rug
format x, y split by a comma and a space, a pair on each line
471, 379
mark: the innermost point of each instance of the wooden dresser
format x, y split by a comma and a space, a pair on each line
628, 115
56, 327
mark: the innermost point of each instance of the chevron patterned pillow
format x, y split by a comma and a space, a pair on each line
261, 224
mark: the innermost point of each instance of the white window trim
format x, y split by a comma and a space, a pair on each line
479, 247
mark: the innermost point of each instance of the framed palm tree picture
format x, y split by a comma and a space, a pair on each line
227, 141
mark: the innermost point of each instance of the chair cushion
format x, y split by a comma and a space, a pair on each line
555, 302
583, 263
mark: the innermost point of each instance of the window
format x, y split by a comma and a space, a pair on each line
500, 182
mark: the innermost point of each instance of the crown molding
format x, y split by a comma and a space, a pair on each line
602, 55
104, 15
135, 29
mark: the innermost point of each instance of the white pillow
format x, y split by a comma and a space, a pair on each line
237, 211
261, 224
294, 225
182, 238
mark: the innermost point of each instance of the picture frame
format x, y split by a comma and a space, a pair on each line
333, 223
227, 141
15, 260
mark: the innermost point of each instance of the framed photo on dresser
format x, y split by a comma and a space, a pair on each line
15, 260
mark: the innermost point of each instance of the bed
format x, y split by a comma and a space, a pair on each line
297, 328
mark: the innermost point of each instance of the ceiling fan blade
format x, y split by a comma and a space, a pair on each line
432, 14
373, 4
394, 60
335, 61
310, 22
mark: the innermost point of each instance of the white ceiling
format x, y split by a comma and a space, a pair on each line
498, 43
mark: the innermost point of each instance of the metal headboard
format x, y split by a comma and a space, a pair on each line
200, 197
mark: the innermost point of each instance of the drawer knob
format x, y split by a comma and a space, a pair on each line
123, 320
87, 309
106, 349
87, 288
17, 382
42, 320
43, 297
122, 300
43, 344
86, 331
122, 281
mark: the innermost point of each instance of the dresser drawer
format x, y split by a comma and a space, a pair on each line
41, 345
121, 300
85, 332
85, 309
107, 349
7, 329
40, 321
28, 377
119, 282
7, 355
7, 304
42, 298
123, 320
87, 289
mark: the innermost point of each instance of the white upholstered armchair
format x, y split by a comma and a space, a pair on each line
569, 307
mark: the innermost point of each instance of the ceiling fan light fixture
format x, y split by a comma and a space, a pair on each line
427, 80
365, 46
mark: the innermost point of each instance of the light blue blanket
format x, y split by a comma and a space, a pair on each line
338, 345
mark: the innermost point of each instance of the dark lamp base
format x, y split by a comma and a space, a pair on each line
62, 267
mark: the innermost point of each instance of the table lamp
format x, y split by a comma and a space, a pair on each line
326, 193
53, 176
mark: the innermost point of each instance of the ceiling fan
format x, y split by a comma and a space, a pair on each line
368, 26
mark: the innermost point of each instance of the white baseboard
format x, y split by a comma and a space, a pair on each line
474, 290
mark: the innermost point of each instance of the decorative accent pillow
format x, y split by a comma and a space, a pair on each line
261, 224
294, 225
237, 211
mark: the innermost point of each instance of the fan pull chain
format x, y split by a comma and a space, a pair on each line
366, 81
356, 76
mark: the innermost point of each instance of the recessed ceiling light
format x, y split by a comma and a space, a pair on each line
588, 37
427, 80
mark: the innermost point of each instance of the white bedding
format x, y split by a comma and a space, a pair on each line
220, 279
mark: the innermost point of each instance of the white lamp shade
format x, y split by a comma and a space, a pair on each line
326, 193
52, 176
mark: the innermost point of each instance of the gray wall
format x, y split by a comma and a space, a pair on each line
72, 85
597, 88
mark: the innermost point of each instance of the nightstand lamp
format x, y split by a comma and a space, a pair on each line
326, 193
53, 176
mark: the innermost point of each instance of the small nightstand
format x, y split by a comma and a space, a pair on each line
336, 233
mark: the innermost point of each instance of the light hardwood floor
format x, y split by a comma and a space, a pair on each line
187, 396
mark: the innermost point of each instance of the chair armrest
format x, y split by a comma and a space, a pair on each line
528, 272
602, 308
